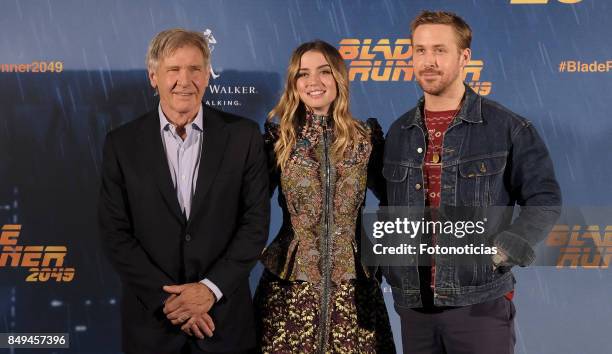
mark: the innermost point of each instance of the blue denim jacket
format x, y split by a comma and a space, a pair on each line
490, 157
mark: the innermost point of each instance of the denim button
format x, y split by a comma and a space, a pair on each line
417, 186
420, 150
188, 237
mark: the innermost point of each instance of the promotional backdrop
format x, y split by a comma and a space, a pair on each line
70, 71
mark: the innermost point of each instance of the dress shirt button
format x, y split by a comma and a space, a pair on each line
188, 237
420, 150
417, 186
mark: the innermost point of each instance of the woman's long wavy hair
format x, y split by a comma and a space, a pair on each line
291, 111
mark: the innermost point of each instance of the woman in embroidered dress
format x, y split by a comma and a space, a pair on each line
315, 296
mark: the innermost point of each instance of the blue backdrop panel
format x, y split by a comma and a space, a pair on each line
52, 127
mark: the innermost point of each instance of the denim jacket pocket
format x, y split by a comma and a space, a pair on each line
480, 178
394, 172
397, 183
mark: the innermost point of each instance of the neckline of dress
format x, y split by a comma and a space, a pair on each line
318, 118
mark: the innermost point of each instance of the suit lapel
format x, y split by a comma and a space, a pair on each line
213, 147
157, 159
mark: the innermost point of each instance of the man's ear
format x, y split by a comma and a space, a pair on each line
466, 56
152, 78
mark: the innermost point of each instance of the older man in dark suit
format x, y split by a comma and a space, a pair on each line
184, 211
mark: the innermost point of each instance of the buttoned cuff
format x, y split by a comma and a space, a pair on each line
213, 288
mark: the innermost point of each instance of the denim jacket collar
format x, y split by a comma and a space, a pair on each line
470, 109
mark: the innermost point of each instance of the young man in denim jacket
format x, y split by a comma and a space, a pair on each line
458, 149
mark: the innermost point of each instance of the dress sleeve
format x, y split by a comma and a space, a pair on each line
271, 134
376, 181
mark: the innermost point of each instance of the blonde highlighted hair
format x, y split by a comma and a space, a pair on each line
291, 110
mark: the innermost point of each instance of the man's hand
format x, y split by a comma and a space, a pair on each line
199, 326
187, 301
500, 259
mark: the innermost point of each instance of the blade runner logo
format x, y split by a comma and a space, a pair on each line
381, 61
43, 262
585, 246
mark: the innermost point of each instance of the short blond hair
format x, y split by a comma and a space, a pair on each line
165, 43
461, 28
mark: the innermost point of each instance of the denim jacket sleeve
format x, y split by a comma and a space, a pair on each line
534, 187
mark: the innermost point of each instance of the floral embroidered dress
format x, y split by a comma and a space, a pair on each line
314, 296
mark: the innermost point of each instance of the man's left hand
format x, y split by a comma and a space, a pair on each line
199, 326
192, 300
500, 259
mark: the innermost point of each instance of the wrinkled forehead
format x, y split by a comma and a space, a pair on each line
168, 56
186, 51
